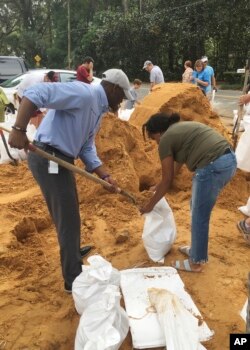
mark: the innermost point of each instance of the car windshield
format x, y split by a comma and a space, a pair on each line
13, 81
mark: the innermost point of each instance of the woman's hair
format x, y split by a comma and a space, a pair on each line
188, 64
159, 123
199, 63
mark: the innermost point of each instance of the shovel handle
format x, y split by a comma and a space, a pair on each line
68, 165
77, 170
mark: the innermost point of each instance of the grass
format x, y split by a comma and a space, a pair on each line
227, 86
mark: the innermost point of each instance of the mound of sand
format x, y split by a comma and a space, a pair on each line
185, 99
36, 313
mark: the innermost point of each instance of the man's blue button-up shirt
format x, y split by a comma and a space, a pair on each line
73, 119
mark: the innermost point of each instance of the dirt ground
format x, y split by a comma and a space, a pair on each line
35, 312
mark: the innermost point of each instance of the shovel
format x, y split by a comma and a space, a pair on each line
74, 168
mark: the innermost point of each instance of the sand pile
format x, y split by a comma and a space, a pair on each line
35, 313
185, 99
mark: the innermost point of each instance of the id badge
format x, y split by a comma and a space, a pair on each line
53, 167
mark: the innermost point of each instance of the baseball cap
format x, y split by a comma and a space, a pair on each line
146, 63
118, 77
204, 58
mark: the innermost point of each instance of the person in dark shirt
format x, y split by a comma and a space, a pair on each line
206, 153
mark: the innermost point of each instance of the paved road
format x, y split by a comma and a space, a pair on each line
226, 101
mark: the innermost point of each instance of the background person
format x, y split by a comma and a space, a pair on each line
206, 153
243, 160
84, 72
210, 71
68, 131
136, 86
201, 77
30, 80
3, 103
155, 74
187, 76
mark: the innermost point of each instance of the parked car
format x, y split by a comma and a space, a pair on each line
10, 86
10, 66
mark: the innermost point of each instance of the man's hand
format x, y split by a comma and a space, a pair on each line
114, 188
18, 139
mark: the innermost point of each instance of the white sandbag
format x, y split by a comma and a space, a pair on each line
17, 154
159, 231
124, 114
245, 209
92, 281
180, 327
104, 324
242, 151
144, 324
246, 121
243, 312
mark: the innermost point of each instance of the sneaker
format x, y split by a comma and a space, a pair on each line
85, 250
67, 288
245, 230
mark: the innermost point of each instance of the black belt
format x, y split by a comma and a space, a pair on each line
227, 151
50, 149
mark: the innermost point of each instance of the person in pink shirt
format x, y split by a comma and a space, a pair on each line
187, 75
84, 72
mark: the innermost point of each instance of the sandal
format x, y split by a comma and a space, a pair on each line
185, 250
184, 265
244, 230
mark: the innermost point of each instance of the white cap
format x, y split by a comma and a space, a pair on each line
118, 77
146, 63
204, 58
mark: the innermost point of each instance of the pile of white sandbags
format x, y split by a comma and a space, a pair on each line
104, 323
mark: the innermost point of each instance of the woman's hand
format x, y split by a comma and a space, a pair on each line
147, 208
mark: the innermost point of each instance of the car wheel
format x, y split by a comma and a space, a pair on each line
10, 109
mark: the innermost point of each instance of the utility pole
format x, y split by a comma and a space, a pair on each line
140, 11
69, 36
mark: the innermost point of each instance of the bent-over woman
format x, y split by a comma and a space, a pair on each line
206, 153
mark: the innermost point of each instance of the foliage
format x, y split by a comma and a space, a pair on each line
124, 33
233, 78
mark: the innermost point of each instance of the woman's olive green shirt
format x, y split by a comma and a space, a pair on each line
192, 143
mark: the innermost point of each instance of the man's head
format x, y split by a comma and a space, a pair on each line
148, 66
116, 85
88, 62
204, 60
51, 76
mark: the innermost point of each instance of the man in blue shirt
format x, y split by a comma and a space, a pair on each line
68, 131
210, 72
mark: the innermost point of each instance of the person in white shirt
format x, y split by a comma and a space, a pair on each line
155, 74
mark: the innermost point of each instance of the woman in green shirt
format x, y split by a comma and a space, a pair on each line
206, 153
